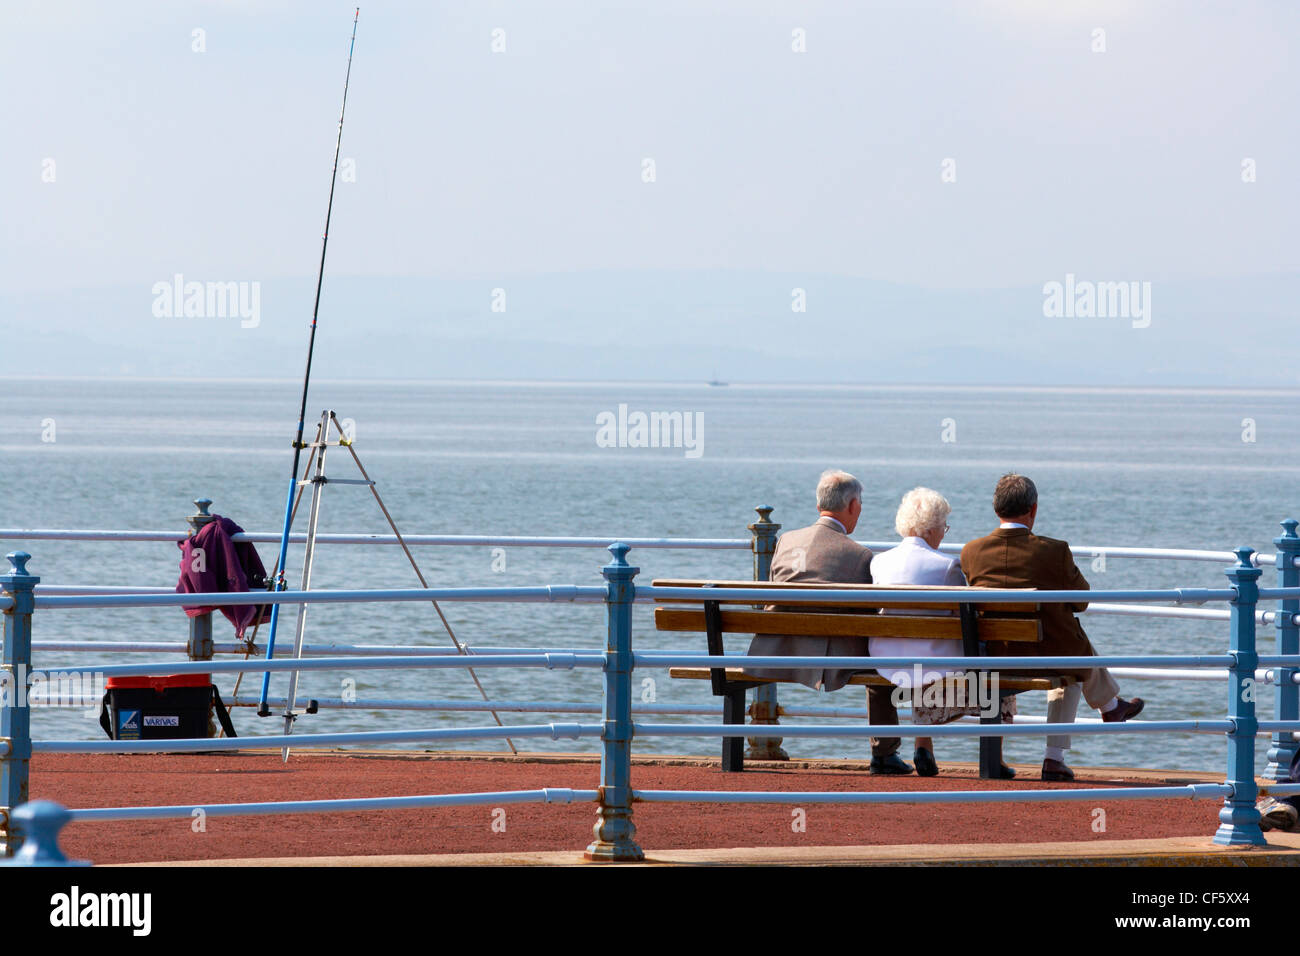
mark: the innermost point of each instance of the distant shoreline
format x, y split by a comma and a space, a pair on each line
690, 384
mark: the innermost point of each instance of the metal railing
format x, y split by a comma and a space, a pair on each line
766, 708
615, 796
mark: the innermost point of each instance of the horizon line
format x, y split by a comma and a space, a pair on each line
1202, 389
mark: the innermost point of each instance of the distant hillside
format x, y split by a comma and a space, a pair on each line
670, 326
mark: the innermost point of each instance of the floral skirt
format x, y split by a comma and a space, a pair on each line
922, 714
945, 700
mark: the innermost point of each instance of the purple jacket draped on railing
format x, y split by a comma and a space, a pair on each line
211, 562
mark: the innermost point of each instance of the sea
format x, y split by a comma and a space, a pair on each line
1159, 467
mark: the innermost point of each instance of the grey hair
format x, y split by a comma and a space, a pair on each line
836, 490
922, 510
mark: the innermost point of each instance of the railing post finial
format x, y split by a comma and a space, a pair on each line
38, 824
201, 517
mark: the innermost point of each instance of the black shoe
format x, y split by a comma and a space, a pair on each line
1123, 710
1005, 772
1056, 771
925, 765
891, 765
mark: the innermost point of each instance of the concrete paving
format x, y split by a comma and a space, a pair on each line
1283, 850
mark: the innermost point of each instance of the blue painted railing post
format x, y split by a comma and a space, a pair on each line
614, 829
15, 715
38, 824
766, 708
1239, 820
199, 646
1283, 746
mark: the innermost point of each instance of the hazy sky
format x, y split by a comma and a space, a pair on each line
1122, 164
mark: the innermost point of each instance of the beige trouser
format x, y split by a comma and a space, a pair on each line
1063, 702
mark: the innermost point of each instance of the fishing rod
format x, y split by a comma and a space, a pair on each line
262, 710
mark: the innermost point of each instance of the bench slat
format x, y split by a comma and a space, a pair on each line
867, 589
812, 624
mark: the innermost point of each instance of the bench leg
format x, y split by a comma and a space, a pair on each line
733, 712
991, 750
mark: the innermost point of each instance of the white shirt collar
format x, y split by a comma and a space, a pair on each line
917, 541
1013, 524
838, 523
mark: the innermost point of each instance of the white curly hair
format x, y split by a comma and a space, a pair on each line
922, 510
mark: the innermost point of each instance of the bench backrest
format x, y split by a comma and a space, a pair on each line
1012, 622
972, 624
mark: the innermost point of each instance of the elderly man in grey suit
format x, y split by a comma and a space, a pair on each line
823, 553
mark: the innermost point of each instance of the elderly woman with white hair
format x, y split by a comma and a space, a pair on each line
922, 521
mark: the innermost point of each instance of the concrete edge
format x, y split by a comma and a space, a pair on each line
1283, 850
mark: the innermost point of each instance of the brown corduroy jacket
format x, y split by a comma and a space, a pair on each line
1018, 558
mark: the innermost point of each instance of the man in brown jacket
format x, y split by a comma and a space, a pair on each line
1014, 557
823, 553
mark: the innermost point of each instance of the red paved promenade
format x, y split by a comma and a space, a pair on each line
138, 780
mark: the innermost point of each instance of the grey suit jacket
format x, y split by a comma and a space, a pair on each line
819, 554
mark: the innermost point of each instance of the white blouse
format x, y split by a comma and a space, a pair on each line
915, 562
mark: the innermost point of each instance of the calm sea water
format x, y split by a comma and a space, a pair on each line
1163, 468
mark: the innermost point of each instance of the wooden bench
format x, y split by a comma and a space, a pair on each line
972, 624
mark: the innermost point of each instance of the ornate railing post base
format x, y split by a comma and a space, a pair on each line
614, 833
1239, 826
765, 711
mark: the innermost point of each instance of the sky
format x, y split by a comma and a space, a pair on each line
919, 149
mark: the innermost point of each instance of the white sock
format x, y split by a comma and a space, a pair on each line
1114, 702
1055, 753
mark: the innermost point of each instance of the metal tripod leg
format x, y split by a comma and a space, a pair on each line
317, 483
460, 648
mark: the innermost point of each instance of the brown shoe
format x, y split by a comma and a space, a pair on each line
1276, 815
1057, 772
1124, 710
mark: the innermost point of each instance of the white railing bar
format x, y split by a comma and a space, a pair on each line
308, 650
548, 660
846, 662
760, 595
1094, 551
539, 594
279, 741
68, 589
473, 540
346, 805
587, 541
950, 730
